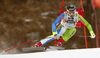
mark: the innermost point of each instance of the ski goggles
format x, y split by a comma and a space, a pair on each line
71, 12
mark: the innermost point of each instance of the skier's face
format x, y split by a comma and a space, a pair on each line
71, 13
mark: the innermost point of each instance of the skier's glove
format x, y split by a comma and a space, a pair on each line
55, 35
92, 34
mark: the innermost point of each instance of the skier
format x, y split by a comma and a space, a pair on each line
66, 28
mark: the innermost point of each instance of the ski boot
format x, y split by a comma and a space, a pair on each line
60, 42
58, 46
38, 44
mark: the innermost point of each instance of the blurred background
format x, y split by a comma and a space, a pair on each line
27, 20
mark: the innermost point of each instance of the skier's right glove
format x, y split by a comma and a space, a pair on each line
92, 34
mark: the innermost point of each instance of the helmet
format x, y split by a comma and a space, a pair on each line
71, 9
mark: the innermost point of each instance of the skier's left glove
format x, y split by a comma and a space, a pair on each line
92, 34
55, 35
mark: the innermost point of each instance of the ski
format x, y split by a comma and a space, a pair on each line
34, 49
57, 47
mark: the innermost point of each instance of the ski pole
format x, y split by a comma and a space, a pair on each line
84, 36
19, 45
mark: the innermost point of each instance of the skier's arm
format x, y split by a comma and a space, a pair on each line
80, 18
59, 26
54, 25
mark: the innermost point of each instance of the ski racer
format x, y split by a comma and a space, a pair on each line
64, 27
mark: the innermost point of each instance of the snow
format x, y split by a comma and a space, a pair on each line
28, 20
44, 17
74, 45
45, 13
41, 25
78, 53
